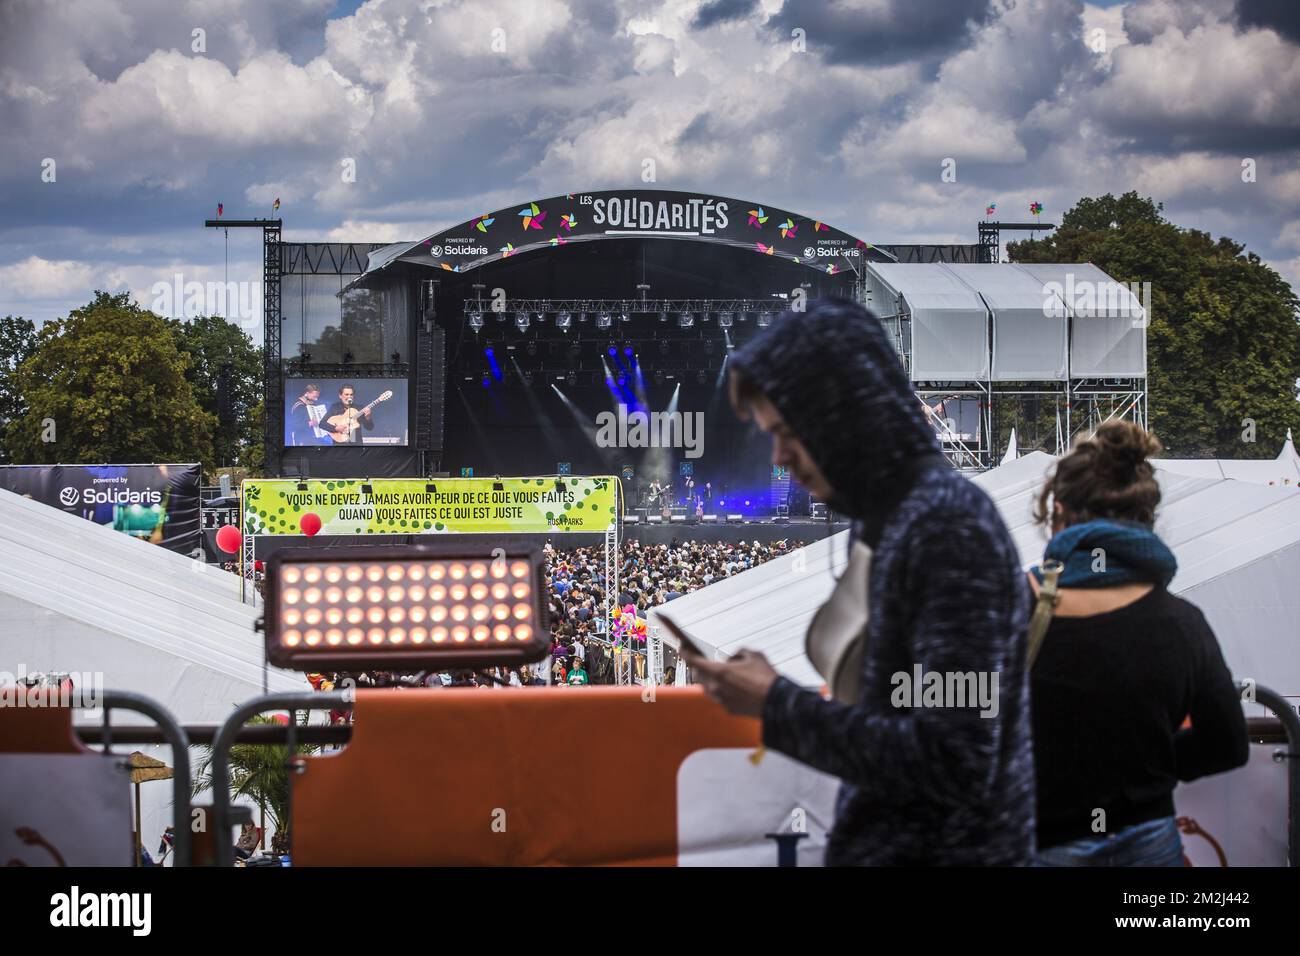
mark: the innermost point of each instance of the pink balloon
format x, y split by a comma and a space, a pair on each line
309, 523
228, 539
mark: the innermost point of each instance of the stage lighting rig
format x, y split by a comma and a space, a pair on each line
685, 320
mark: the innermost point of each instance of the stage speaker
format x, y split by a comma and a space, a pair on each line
734, 519
710, 519
679, 519
654, 519
631, 519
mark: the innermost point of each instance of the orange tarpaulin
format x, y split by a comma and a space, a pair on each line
512, 776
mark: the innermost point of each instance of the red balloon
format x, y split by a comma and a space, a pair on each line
309, 523
228, 539
257, 565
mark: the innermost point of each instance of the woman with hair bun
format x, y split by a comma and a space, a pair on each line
1121, 668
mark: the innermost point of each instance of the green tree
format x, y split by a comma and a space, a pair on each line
1223, 345
108, 384
17, 343
215, 347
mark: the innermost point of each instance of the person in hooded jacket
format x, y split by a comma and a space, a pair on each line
921, 785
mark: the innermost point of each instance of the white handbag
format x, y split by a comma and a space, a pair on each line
837, 636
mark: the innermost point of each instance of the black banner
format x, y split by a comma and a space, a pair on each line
155, 503
649, 213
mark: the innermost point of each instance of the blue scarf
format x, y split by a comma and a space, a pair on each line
1130, 553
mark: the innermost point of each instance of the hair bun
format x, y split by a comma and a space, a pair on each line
1122, 447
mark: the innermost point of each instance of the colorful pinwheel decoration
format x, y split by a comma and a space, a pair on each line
627, 626
864, 245
757, 217
831, 269
483, 221
568, 221
788, 229
507, 250
532, 216
988, 210
820, 226
1036, 208
449, 268
559, 241
766, 250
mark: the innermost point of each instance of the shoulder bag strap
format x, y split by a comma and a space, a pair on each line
1048, 596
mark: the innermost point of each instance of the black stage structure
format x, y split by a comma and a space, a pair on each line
501, 341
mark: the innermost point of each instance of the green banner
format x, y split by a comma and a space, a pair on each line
407, 506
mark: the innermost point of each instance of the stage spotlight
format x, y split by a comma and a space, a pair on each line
427, 607
582, 316
497, 485
527, 377
663, 316
603, 321
625, 317
659, 377
476, 320
725, 320
302, 486
563, 320
368, 489
663, 346
701, 376
532, 347
521, 321
764, 319
430, 489
685, 320
487, 382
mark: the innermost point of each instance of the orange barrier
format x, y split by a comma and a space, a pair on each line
510, 777
43, 729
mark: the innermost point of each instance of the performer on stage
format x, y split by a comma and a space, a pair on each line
340, 410
305, 416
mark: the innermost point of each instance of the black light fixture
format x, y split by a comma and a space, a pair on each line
431, 489
560, 486
367, 489
497, 485
397, 358
302, 486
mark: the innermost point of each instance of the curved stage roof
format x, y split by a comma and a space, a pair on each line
633, 214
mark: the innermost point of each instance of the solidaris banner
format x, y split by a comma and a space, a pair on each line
648, 213
155, 503
407, 506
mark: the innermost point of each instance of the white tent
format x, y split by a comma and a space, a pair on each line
1238, 550
1284, 470
81, 598
1237, 544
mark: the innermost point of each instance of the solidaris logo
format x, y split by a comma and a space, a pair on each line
458, 247
69, 497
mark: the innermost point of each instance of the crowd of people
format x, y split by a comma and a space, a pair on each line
583, 651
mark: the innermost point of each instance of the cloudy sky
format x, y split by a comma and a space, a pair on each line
450, 108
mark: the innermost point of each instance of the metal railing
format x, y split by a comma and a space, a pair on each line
171, 733
1291, 755
230, 731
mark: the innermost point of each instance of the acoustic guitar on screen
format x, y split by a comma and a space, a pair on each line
340, 427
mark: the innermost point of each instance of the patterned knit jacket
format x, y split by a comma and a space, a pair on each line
927, 784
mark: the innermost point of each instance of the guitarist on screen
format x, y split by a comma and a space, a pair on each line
343, 417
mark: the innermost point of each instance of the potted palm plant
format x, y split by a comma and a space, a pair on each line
260, 772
